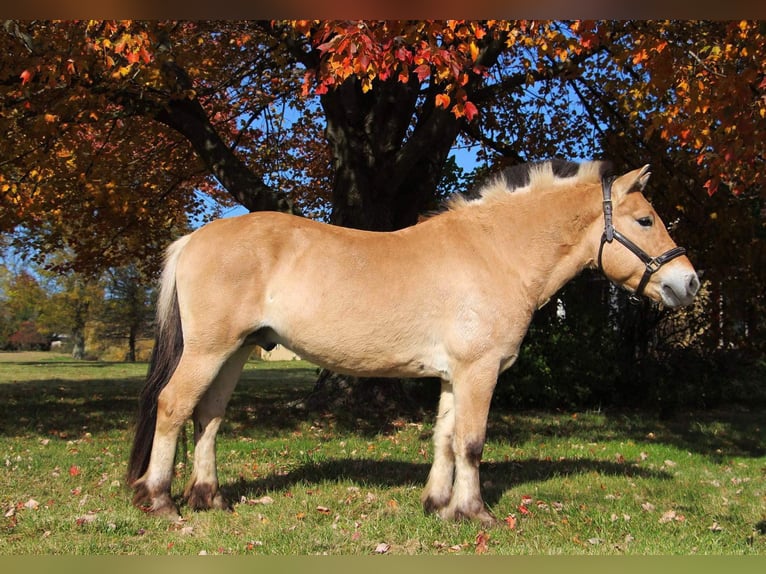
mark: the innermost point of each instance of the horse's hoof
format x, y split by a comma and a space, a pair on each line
481, 515
432, 505
205, 497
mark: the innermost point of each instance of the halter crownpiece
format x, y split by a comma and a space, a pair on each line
652, 264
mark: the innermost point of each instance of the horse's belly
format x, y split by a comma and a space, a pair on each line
367, 353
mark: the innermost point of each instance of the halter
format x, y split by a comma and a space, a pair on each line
653, 264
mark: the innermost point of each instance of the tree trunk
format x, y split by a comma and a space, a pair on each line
78, 345
132, 344
383, 181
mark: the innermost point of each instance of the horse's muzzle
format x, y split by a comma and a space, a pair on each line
679, 288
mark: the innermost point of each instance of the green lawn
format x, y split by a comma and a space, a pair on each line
603, 483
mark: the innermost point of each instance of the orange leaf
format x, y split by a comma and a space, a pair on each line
510, 520
74, 470
26, 77
442, 101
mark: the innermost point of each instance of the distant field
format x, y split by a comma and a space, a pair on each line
597, 483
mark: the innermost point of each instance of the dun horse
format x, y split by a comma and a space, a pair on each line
451, 297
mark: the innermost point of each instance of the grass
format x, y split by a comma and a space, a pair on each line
598, 483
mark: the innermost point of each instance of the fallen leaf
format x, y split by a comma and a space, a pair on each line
715, 527
670, 463
482, 538
32, 504
668, 516
86, 519
11, 512
648, 506
261, 500
510, 520
595, 541
323, 510
74, 470
382, 548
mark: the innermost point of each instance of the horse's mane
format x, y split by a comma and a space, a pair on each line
530, 176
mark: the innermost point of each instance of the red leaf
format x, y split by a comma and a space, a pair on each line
510, 520
26, 76
74, 470
470, 111
481, 542
423, 71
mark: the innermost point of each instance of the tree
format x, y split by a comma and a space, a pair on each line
127, 311
122, 129
23, 300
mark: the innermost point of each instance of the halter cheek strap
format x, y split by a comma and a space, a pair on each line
652, 264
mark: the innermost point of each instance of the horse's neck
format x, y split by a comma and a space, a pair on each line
552, 236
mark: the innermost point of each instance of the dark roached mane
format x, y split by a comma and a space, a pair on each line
517, 176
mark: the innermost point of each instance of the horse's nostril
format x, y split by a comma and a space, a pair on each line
694, 284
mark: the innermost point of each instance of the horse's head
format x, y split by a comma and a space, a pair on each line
636, 250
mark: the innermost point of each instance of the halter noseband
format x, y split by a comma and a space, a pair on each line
653, 264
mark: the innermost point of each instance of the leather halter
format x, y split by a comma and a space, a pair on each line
653, 264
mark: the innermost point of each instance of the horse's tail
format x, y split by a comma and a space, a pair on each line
168, 346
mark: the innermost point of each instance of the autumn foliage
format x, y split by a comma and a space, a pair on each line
120, 134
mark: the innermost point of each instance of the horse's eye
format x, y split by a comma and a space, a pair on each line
645, 221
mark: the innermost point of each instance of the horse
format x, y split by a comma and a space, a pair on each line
449, 297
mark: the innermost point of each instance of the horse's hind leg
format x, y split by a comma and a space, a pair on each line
175, 404
438, 490
202, 490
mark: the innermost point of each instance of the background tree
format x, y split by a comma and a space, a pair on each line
22, 300
128, 309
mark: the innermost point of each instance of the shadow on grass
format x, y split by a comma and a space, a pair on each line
66, 407
498, 477
260, 408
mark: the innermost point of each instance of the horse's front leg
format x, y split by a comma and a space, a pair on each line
473, 387
202, 490
438, 490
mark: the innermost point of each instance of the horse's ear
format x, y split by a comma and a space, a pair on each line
632, 181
